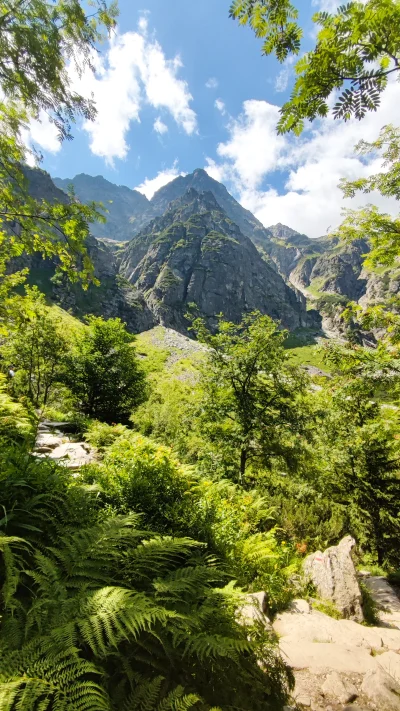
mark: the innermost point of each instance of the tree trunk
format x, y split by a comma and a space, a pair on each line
243, 462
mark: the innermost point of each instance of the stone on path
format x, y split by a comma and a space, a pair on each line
386, 599
73, 454
382, 689
334, 576
47, 440
324, 656
254, 608
339, 688
390, 663
317, 628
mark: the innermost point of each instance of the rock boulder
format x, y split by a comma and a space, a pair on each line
334, 576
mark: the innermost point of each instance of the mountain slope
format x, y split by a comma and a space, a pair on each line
195, 254
124, 205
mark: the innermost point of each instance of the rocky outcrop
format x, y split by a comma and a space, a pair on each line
195, 255
339, 662
254, 609
385, 598
54, 441
334, 576
122, 206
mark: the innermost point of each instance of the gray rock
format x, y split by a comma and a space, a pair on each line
254, 609
194, 254
334, 576
382, 689
46, 440
340, 688
73, 455
301, 607
390, 663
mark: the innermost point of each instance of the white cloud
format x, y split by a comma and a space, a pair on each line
133, 71
220, 106
41, 133
282, 79
212, 83
151, 185
164, 89
159, 126
310, 166
254, 147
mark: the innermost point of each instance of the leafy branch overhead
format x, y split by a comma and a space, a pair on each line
356, 50
39, 42
382, 230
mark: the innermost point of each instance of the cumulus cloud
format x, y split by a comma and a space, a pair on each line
220, 106
159, 126
212, 83
134, 71
282, 79
41, 133
309, 167
151, 185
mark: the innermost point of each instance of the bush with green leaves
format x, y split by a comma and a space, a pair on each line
103, 372
35, 346
99, 614
137, 475
101, 435
16, 421
252, 397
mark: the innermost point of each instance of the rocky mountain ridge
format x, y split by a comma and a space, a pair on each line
192, 254
195, 255
316, 267
324, 272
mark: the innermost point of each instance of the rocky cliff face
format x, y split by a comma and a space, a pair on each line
114, 297
193, 242
195, 254
123, 205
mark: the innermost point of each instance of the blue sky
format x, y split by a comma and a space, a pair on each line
183, 86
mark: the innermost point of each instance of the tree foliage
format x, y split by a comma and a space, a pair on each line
103, 372
382, 230
251, 393
356, 50
39, 41
34, 346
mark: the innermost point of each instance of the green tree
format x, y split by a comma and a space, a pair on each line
38, 40
16, 423
34, 346
103, 372
356, 49
360, 454
382, 230
251, 393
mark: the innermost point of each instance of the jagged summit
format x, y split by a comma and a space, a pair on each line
195, 254
122, 205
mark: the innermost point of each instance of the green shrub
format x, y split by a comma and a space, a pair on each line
101, 435
139, 475
328, 608
369, 607
96, 614
16, 420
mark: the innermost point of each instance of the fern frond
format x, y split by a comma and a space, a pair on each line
187, 580
145, 696
213, 645
113, 614
177, 700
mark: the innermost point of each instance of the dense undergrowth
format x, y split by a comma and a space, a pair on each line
218, 470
